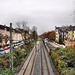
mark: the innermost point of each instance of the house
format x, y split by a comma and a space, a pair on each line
5, 35
24, 32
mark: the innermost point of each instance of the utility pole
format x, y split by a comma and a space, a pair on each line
11, 51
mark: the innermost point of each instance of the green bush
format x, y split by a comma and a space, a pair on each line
64, 60
58, 48
71, 59
68, 71
6, 72
18, 56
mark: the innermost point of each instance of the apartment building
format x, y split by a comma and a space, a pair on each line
71, 35
65, 33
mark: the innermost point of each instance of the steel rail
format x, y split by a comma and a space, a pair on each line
41, 61
43, 53
46, 61
33, 65
29, 62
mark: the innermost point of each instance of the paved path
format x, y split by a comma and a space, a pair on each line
53, 46
38, 62
56, 45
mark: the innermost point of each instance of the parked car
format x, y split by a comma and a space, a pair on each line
26, 41
22, 42
18, 43
32, 39
1, 53
6, 48
1, 49
16, 46
13, 45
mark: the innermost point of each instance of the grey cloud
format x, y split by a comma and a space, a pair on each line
44, 14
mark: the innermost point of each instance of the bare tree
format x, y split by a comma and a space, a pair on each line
34, 28
23, 29
34, 32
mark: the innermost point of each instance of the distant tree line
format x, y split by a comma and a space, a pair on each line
50, 35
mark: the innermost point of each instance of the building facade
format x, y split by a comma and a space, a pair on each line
5, 35
65, 33
71, 35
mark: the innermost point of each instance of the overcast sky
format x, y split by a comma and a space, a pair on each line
45, 14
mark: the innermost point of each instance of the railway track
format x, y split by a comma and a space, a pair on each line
44, 64
28, 66
38, 62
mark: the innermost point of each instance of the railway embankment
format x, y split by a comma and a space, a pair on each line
63, 59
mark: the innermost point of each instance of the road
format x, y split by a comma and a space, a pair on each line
38, 62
